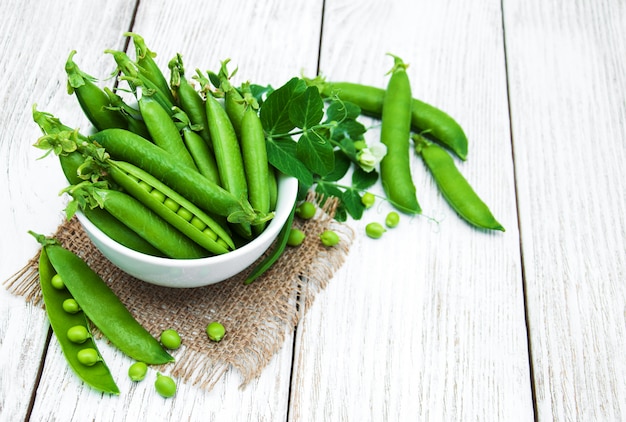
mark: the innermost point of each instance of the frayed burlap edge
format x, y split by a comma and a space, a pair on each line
251, 342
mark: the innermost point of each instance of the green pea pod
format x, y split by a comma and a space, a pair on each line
228, 156
119, 232
133, 118
454, 187
424, 117
97, 375
93, 100
395, 167
147, 66
163, 130
172, 207
255, 163
126, 146
146, 223
136, 79
201, 154
101, 218
189, 100
103, 307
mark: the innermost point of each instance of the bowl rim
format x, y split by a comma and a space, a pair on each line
286, 184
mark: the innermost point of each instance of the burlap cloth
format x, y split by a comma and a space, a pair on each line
257, 317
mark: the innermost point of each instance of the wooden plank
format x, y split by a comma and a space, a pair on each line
426, 323
36, 39
252, 36
567, 68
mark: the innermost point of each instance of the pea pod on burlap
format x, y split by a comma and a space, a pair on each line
102, 306
97, 375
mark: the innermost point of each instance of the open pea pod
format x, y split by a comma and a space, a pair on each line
97, 375
102, 306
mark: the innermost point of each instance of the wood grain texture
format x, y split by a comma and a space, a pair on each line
36, 38
426, 323
567, 77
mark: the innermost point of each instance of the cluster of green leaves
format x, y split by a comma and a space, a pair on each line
314, 140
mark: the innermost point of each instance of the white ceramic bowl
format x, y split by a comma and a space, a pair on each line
195, 272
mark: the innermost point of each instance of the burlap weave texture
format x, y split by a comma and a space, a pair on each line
257, 317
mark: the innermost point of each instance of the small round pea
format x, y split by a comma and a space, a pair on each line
78, 334
368, 199
184, 212
71, 306
165, 385
170, 339
392, 219
88, 356
215, 331
374, 230
306, 210
171, 204
158, 195
329, 238
137, 371
57, 282
296, 237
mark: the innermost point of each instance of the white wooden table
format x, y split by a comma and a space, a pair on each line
431, 322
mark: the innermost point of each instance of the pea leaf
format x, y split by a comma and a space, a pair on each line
352, 202
307, 110
281, 153
316, 153
342, 165
274, 112
342, 110
362, 179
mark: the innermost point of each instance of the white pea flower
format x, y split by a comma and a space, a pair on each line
369, 157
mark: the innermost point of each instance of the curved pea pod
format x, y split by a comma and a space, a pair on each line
256, 163
97, 375
189, 100
93, 100
126, 146
172, 207
424, 117
147, 66
103, 307
395, 133
163, 130
454, 187
101, 218
119, 232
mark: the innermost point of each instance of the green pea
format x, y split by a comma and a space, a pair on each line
215, 331
171, 204
368, 199
165, 385
374, 230
57, 282
78, 334
306, 210
145, 186
88, 356
392, 219
170, 339
158, 195
137, 371
329, 238
184, 213
296, 237
197, 223
71, 306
